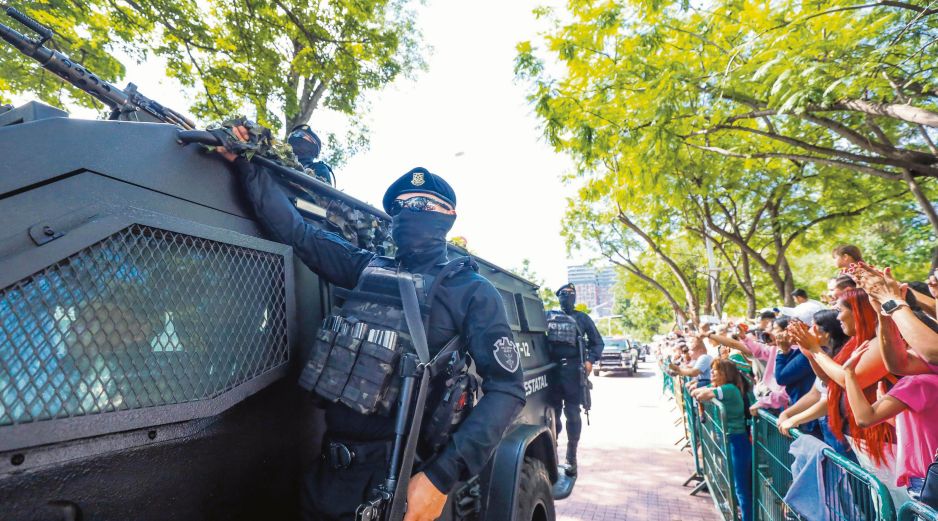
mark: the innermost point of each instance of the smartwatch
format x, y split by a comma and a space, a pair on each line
892, 305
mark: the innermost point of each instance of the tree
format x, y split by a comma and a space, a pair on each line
283, 59
668, 111
832, 84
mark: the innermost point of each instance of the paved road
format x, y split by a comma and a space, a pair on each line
630, 468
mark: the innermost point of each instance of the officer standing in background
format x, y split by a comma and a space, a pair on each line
356, 446
306, 147
566, 332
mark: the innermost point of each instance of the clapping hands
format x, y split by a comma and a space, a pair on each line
804, 337
879, 285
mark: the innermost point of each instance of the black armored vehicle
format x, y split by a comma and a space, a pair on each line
151, 335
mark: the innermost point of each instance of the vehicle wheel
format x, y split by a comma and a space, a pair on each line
535, 499
595, 372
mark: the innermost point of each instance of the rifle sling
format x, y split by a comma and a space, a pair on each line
419, 338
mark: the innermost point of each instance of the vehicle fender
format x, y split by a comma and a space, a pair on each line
523, 440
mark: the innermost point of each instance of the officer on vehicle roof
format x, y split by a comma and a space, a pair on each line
463, 304
565, 334
306, 147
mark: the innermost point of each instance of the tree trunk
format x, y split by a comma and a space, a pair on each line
927, 208
693, 303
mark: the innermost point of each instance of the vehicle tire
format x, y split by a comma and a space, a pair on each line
535, 498
595, 372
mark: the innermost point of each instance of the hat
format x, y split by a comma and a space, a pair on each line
419, 180
298, 138
803, 312
568, 285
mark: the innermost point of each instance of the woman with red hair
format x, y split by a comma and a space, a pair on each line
859, 322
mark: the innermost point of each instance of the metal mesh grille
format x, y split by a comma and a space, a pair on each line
143, 318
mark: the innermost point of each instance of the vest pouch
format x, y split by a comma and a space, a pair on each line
314, 367
460, 392
371, 378
338, 367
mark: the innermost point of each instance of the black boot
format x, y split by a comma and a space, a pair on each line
571, 458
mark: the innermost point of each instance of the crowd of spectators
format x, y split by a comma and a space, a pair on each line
856, 369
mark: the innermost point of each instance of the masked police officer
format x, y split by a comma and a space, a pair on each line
306, 147
465, 304
568, 332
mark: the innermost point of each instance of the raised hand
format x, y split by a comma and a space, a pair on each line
851, 363
803, 337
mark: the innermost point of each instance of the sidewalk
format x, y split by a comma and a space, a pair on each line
630, 468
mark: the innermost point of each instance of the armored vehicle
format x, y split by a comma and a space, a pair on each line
151, 335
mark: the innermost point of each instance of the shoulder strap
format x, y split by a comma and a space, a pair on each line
418, 333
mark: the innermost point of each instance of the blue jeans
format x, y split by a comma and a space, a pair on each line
741, 454
915, 488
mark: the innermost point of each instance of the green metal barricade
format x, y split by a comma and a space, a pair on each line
692, 427
717, 465
771, 467
851, 493
917, 511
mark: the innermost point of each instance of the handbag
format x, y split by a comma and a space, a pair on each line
929, 494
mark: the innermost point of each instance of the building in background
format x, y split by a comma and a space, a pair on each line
594, 287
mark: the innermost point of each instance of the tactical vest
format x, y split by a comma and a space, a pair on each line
356, 353
563, 335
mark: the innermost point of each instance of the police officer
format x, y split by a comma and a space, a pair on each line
306, 146
423, 207
567, 395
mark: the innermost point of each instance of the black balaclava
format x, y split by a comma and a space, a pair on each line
567, 296
420, 237
306, 145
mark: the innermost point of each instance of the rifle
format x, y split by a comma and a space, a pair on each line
125, 104
131, 105
585, 385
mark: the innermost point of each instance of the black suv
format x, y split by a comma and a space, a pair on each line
619, 355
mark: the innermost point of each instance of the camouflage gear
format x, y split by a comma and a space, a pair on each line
356, 226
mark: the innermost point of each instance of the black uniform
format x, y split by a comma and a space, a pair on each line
565, 382
465, 304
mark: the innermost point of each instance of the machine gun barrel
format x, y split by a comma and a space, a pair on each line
62, 65
116, 99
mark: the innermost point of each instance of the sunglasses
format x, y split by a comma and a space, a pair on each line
419, 204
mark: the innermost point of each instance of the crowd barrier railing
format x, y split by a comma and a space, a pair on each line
716, 456
916, 511
771, 467
692, 428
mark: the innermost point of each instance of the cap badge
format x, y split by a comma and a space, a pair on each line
417, 179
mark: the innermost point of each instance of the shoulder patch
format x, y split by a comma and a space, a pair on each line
507, 355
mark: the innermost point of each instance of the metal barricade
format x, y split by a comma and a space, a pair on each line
716, 459
917, 511
692, 427
771, 467
851, 493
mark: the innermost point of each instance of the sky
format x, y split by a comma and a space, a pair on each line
464, 118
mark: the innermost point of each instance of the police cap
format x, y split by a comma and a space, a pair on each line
568, 285
419, 180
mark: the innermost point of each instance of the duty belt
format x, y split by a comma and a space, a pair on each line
346, 454
568, 360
